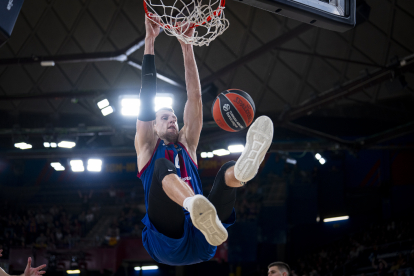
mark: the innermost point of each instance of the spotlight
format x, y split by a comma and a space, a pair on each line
210, 154
291, 161
336, 219
322, 161
146, 267
57, 166
102, 104
53, 145
130, 106
107, 110
22, 146
203, 155
318, 156
94, 165
46, 144
163, 101
76, 271
221, 152
67, 144
77, 165
236, 148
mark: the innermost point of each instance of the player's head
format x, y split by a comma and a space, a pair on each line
166, 124
278, 269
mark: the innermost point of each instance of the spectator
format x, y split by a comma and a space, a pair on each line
41, 241
112, 236
85, 198
137, 232
112, 194
381, 267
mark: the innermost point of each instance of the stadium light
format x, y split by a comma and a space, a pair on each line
236, 148
77, 165
57, 166
161, 102
291, 161
207, 155
102, 104
67, 144
107, 110
221, 152
53, 145
23, 146
318, 156
46, 144
76, 271
94, 165
130, 105
336, 219
322, 161
146, 267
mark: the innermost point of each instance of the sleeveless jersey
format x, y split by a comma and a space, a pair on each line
192, 247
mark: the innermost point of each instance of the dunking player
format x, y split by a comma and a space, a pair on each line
167, 165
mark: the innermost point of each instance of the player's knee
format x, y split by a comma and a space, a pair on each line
226, 166
163, 167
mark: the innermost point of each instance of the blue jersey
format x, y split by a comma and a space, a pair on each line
192, 247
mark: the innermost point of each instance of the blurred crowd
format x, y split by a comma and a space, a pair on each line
394, 240
127, 224
248, 202
42, 227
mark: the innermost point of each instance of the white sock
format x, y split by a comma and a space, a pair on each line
187, 202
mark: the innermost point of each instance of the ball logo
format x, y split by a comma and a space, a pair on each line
226, 107
10, 5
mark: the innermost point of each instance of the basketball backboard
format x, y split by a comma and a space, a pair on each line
335, 15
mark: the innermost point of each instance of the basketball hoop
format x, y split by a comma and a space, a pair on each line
176, 17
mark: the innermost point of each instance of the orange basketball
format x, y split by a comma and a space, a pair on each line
233, 110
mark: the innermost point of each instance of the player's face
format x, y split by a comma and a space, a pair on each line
274, 271
166, 125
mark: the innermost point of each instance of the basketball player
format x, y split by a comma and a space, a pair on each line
167, 167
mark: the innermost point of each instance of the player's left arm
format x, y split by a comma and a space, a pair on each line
193, 110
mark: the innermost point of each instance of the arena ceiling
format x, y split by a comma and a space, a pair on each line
322, 88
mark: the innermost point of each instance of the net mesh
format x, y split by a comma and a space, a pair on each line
176, 17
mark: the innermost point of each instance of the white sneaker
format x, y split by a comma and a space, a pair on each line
258, 140
204, 217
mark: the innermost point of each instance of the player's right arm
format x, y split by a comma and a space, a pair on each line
145, 137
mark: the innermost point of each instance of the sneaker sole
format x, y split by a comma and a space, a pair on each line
258, 140
204, 217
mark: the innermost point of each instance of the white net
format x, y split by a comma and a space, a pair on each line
177, 17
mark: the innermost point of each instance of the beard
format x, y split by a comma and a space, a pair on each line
171, 137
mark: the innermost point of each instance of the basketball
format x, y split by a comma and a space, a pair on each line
233, 110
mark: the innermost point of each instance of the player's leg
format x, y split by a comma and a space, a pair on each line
234, 174
223, 192
166, 197
258, 140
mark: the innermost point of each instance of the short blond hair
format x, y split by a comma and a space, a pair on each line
166, 108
